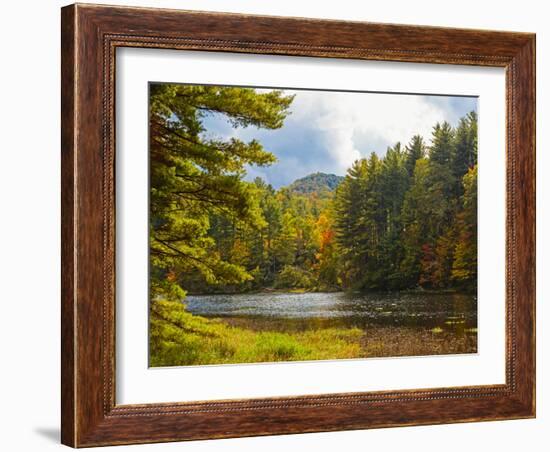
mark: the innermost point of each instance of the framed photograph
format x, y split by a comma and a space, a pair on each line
281, 225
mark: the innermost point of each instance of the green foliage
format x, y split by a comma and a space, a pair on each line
465, 155
441, 150
402, 222
291, 277
296, 233
415, 150
196, 181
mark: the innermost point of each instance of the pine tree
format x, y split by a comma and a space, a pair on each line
284, 244
350, 222
465, 156
441, 150
394, 183
194, 177
425, 217
415, 150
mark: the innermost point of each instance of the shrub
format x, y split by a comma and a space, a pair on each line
291, 277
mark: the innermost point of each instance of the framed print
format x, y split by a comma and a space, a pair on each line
281, 225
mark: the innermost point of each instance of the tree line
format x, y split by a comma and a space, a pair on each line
402, 221
409, 219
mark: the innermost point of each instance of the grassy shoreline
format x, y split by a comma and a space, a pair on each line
179, 338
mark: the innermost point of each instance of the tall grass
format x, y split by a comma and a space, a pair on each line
179, 338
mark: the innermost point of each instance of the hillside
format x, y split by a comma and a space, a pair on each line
315, 182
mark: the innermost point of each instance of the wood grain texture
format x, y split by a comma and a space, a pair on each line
68, 243
90, 36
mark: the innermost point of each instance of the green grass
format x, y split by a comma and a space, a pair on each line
179, 338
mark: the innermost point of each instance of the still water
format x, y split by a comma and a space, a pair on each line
300, 311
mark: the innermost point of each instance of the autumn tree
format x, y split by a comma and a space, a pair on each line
464, 268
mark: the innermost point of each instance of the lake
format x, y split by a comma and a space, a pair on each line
452, 312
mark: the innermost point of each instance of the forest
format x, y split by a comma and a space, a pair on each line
404, 221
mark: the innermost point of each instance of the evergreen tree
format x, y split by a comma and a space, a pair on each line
284, 245
350, 222
441, 150
415, 150
394, 181
194, 176
465, 155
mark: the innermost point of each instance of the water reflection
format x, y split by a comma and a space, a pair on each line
301, 311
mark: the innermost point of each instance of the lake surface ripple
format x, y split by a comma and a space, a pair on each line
300, 311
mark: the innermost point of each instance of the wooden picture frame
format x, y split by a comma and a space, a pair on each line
90, 36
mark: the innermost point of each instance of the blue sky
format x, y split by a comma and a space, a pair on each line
326, 131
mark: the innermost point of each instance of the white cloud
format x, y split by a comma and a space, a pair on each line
327, 131
349, 122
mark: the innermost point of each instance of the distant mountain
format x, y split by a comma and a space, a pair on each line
316, 182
